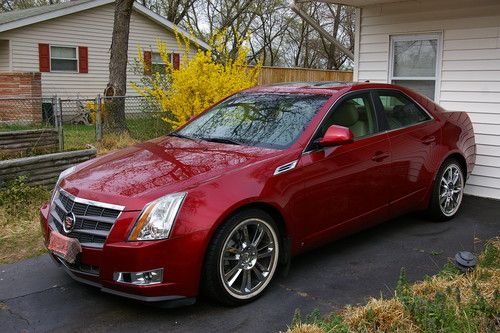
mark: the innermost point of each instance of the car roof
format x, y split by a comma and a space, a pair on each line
321, 87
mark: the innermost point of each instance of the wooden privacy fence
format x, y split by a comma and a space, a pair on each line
270, 75
43, 169
15, 142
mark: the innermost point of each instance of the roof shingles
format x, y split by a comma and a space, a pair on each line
16, 15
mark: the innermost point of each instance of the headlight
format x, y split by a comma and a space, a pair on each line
157, 218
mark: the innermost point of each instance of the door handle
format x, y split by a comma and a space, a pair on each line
428, 140
380, 156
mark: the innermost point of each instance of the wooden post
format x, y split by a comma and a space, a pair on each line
98, 118
57, 109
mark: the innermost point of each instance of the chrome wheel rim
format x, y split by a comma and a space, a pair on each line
249, 258
451, 190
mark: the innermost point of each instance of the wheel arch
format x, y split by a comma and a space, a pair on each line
460, 159
457, 155
272, 210
463, 163
276, 215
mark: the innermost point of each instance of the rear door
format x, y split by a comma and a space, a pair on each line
413, 135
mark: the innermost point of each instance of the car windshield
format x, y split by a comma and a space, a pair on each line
269, 120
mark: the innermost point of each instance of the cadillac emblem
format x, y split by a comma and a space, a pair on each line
69, 222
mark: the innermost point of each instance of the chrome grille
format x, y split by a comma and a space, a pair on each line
93, 220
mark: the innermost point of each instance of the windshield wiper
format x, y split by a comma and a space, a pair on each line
223, 140
178, 135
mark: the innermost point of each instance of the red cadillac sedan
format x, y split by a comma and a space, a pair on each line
219, 205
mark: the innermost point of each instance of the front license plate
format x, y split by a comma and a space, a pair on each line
65, 247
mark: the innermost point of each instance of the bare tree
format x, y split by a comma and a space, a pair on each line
278, 36
269, 32
315, 51
233, 17
8, 5
117, 86
174, 10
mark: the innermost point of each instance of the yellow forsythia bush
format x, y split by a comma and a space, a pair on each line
91, 108
199, 82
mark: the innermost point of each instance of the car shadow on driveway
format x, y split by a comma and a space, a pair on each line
37, 296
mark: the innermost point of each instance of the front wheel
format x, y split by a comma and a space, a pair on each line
242, 258
448, 191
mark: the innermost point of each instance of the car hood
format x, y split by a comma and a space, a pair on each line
135, 175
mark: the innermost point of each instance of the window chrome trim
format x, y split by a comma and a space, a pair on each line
408, 126
93, 203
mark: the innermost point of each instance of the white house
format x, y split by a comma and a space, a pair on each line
69, 44
446, 49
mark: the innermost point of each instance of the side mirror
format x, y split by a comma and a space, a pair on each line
335, 136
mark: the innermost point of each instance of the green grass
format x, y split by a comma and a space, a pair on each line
21, 127
78, 136
140, 129
20, 233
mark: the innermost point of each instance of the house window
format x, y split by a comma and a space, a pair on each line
157, 63
415, 63
63, 59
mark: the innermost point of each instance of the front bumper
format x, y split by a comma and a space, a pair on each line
96, 266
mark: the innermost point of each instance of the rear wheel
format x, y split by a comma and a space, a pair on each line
242, 258
448, 191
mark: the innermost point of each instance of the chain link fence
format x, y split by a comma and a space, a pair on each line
143, 119
53, 123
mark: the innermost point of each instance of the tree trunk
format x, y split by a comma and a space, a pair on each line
117, 86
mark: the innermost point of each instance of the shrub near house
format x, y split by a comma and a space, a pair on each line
199, 82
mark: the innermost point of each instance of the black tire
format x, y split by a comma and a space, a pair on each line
436, 211
225, 238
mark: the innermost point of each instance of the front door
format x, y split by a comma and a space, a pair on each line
345, 187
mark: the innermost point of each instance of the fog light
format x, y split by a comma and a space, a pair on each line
154, 276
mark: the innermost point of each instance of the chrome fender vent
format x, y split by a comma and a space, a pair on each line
285, 167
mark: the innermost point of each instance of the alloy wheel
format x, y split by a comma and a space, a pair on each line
249, 258
451, 190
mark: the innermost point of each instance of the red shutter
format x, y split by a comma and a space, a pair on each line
83, 59
147, 62
176, 60
44, 57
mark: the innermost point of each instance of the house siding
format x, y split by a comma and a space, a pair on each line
91, 28
470, 66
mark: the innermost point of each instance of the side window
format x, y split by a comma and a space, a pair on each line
355, 113
400, 111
